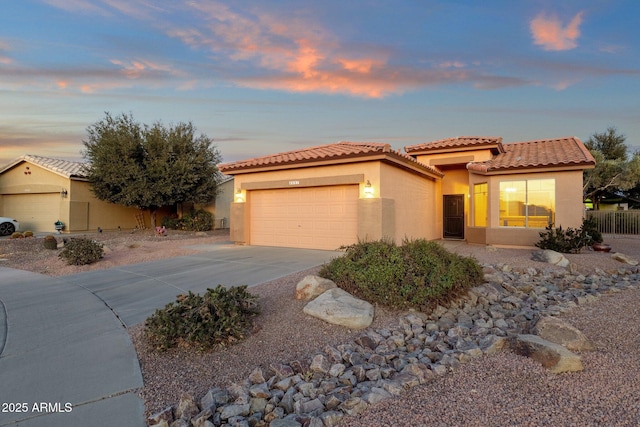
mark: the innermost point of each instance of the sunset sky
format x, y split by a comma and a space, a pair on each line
267, 76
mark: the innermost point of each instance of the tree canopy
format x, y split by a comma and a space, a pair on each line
148, 167
613, 172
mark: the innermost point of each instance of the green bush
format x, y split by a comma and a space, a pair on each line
50, 242
170, 222
81, 251
197, 220
590, 226
17, 235
417, 274
220, 317
28, 233
571, 240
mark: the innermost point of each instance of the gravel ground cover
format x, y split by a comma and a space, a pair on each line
502, 389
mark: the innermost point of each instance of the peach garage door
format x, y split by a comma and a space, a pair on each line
35, 212
314, 218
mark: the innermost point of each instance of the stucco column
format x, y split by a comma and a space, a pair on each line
239, 231
376, 219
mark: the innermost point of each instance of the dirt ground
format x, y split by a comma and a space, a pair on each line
120, 247
132, 247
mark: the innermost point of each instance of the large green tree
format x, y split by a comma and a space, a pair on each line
613, 172
148, 167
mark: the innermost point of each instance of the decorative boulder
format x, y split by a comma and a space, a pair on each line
559, 332
339, 307
551, 257
312, 286
554, 357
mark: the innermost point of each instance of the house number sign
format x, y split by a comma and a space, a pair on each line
294, 182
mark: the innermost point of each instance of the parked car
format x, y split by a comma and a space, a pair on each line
8, 226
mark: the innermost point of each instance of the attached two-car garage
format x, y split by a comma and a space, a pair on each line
323, 217
36, 212
330, 196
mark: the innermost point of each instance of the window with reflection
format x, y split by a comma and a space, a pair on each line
480, 205
527, 203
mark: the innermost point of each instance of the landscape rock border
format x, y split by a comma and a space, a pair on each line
379, 364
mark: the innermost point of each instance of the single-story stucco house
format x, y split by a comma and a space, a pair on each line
472, 188
39, 191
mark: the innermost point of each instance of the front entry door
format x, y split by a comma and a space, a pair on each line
454, 216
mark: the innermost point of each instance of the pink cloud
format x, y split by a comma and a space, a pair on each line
303, 55
548, 32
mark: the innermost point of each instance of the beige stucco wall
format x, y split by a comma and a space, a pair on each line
415, 199
569, 207
402, 204
371, 171
35, 180
79, 210
89, 213
40, 185
457, 157
220, 208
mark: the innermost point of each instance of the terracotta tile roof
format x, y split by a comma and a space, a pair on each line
565, 152
65, 168
456, 143
322, 153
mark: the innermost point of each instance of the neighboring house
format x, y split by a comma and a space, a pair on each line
38, 191
471, 188
220, 208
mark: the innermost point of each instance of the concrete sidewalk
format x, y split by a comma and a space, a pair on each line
63, 340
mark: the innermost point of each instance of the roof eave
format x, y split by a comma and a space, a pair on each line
477, 147
387, 156
531, 169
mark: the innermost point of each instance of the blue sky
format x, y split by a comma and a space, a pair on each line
261, 77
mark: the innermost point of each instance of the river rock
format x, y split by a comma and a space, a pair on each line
341, 308
552, 356
313, 286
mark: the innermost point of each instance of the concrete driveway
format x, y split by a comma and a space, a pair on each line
65, 357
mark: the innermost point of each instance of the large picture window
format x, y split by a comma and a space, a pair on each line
527, 203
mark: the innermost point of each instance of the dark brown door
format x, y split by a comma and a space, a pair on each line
454, 216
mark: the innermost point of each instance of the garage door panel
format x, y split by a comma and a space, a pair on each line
318, 217
34, 212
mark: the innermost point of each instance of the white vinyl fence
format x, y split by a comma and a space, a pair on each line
617, 223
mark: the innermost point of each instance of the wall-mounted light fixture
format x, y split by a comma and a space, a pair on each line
368, 190
239, 197
63, 193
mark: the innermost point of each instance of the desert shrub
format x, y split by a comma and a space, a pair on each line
196, 220
571, 240
17, 235
81, 251
417, 274
28, 233
170, 222
219, 317
590, 226
50, 242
